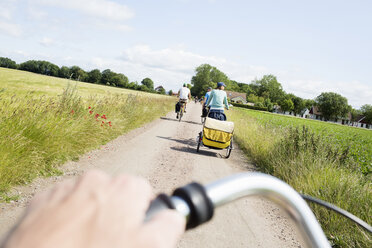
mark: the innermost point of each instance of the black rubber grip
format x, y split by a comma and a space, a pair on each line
201, 207
161, 202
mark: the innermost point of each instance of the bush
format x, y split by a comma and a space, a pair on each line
249, 107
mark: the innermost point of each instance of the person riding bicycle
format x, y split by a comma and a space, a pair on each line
205, 100
184, 94
216, 101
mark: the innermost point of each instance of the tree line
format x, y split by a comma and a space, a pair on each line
106, 77
268, 92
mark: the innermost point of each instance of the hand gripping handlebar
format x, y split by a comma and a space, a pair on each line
197, 202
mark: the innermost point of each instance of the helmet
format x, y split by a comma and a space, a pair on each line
184, 85
219, 84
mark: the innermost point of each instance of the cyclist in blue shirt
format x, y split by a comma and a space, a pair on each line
217, 100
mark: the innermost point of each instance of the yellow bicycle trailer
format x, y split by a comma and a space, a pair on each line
216, 134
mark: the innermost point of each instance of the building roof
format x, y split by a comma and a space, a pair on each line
315, 110
233, 94
159, 87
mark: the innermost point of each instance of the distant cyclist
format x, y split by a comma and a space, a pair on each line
216, 101
184, 94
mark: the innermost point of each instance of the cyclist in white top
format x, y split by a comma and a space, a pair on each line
184, 94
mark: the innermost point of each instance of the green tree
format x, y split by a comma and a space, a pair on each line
355, 114
332, 105
48, 68
366, 110
133, 85
77, 73
7, 63
148, 83
107, 76
298, 103
268, 104
255, 99
268, 87
64, 72
41, 67
94, 76
144, 88
286, 104
309, 103
30, 65
170, 92
207, 76
120, 80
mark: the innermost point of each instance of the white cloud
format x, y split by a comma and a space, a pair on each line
10, 29
170, 59
109, 25
36, 13
46, 42
7, 8
98, 8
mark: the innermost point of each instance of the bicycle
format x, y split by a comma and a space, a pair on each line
182, 110
197, 203
205, 112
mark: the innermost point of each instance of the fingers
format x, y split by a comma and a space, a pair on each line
129, 194
164, 230
52, 196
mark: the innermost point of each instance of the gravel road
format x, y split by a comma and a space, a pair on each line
164, 152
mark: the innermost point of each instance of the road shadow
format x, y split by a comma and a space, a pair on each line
170, 119
193, 151
190, 142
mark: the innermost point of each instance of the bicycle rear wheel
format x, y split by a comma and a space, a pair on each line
229, 149
199, 141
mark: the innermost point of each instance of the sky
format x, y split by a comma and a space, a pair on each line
310, 46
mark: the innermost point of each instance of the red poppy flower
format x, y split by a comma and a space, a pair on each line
97, 115
72, 111
90, 112
89, 107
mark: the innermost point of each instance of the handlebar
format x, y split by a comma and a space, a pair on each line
197, 202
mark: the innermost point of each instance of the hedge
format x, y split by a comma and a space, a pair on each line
249, 107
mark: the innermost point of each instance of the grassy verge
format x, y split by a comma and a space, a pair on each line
40, 132
313, 165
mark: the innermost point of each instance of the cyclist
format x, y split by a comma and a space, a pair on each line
216, 101
184, 94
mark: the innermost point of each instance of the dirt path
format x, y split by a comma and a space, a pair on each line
164, 153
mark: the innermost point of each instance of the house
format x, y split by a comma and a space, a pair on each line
159, 88
361, 122
236, 97
278, 110
315, 114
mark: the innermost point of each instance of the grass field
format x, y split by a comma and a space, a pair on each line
328, 161
47, 121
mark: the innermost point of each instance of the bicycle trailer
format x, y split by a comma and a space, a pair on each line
217, 134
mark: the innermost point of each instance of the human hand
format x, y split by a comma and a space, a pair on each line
96, 211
